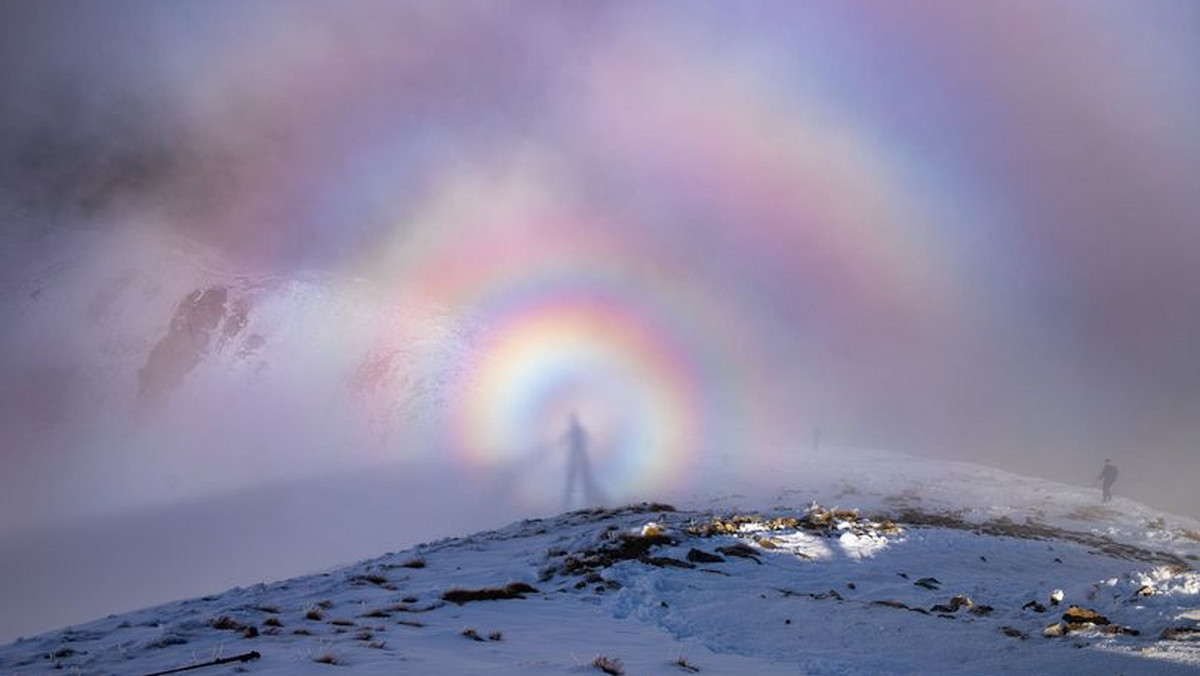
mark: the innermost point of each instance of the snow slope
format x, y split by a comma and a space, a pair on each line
799, 589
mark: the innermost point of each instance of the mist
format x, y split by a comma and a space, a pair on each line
289, 284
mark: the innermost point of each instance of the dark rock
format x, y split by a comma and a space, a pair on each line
697, 556
666, 562
1034, 606
185, 344
740, 550
622, 548
900, 606
957, 602
1013, 632
1180, 633
930, 583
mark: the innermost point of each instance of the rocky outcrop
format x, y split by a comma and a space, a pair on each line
1078, 618
206, 319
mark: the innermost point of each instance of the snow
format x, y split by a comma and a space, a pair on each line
813, 592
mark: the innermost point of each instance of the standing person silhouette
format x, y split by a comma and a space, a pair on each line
579, 471
1109, 476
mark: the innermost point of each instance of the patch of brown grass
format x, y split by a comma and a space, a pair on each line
328, 658
513, 590
609, 665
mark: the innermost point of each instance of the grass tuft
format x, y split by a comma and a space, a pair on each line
609, 665
513, 590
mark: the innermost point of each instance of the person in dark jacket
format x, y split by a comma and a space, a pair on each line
1108, 475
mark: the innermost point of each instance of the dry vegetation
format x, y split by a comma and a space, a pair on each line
513, 590
328, 658
682, 663
609, 665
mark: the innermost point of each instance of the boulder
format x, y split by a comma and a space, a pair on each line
1083, 616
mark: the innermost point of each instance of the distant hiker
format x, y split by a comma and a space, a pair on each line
1109, 476
579, 471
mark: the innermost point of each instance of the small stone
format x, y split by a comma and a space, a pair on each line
1013, 632
961, 601
1055, 630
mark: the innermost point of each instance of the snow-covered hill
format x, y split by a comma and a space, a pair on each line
912, 566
